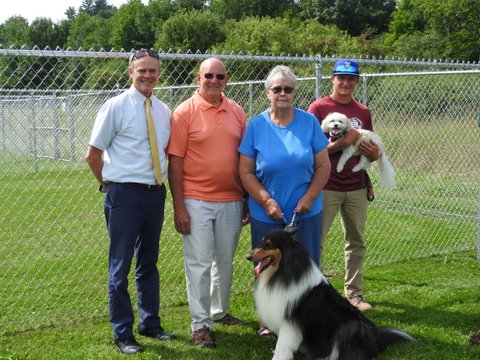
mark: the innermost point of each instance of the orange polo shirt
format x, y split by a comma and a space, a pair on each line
207, 138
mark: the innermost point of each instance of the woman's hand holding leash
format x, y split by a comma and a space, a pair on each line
304, 205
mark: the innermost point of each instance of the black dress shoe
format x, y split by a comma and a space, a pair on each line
128, 346
156, 333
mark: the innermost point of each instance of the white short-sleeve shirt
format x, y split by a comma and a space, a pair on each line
121, 131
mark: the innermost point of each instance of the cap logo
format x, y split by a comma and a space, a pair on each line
346, 66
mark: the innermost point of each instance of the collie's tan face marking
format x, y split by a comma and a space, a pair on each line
267, 255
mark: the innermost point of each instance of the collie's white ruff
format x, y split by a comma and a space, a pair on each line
273, 304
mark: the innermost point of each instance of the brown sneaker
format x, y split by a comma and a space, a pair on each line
359, 303
203, 338
229, 320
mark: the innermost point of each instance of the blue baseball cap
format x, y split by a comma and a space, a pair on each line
346, 67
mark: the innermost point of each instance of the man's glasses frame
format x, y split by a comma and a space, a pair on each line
210, 76
279, 89
143, 52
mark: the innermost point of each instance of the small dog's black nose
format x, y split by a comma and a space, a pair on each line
249, 257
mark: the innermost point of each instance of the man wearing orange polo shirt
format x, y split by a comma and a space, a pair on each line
207, 194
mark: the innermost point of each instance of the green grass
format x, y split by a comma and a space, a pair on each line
435, 299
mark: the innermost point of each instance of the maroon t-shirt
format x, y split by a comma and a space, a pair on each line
361, 119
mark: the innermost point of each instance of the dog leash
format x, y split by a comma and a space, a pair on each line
290, 226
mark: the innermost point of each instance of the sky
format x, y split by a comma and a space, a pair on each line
53, 9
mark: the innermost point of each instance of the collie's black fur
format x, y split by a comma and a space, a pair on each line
294, 299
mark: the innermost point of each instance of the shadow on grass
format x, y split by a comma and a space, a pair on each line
462, 322
229, 341
431, 327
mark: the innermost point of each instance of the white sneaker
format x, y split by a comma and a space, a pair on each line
359, 303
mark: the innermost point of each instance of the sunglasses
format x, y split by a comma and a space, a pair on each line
143, 52
279, 89
210, 76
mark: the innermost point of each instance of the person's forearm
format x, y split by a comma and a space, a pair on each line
255, 189
94, 160
175, 181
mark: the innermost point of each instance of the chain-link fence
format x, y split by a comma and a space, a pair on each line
53, 240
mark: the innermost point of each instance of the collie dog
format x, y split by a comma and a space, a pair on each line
337, 124
294, 300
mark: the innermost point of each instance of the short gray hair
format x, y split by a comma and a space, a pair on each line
282, 71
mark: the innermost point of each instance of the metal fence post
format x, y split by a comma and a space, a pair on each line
478, 225
250, 99
318, 79
364, 90
478, 195
34, 132
56, 129
3, 122
67, 103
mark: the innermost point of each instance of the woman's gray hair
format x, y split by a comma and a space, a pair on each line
281, 71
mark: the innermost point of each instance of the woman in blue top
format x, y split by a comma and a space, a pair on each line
284, 165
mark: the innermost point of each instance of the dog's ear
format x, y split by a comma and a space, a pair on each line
324, 125
349, 124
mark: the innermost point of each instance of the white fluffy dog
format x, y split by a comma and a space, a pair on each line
337, 125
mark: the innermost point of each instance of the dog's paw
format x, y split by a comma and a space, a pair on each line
340, 168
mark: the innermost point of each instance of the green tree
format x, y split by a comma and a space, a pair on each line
98, 8
321, 10
43, 32
30, 72
164, 9
63, 29
430, 29
193, 30
107, 76
187, 30
90, 32
275, 36
364, 16
70, 13
356, 17
14, 32
419, 45
267, 36
239, 9
188, 5
102, 9
133, 27
87, 7
408, 18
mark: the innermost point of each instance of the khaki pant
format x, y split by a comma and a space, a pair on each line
353, 207
209, 251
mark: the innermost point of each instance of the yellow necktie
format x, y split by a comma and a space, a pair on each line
153, 143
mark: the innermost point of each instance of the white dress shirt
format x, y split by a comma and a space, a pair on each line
121, 131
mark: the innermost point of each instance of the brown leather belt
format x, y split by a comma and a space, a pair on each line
145, 186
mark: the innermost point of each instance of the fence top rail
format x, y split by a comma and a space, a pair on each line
53, 93
171, 55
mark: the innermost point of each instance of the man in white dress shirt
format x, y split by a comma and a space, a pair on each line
120, 157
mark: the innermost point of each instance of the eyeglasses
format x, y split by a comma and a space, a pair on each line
143, 52
210, 76
279, 89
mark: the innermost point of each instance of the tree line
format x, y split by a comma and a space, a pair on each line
411, 29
